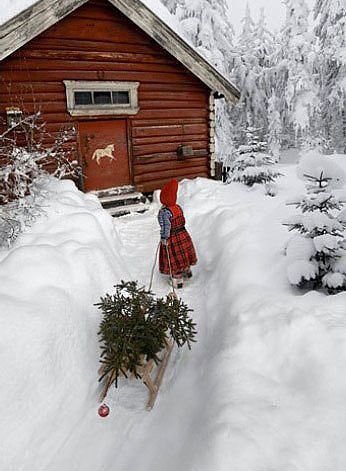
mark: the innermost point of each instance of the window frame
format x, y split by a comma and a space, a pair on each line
73, 86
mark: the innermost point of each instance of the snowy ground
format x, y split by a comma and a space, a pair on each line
263, 389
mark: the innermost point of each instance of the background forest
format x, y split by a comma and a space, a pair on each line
292, 82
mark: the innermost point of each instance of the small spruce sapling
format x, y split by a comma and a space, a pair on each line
253, 164
317, 256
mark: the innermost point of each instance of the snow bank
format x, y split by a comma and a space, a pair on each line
49, 282
276, 358
263, 389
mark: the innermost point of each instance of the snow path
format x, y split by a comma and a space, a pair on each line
188, 426
177, 413
183, 430
183, 427
263, 388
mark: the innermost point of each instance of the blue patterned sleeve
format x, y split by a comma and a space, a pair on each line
164, 218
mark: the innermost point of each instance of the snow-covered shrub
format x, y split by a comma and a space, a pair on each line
24, 165
254, 165
21, 212
317, 253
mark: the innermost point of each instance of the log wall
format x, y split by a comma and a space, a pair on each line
97, 42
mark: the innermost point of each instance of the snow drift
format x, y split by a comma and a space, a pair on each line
49, 282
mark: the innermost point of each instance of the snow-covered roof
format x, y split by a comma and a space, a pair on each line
22, 20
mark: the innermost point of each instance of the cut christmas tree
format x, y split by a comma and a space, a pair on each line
138, 331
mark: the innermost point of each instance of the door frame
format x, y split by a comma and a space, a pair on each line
81, 160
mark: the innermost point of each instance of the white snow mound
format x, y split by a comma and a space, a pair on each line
49, 282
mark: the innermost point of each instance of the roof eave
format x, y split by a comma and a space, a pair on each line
31, 22
43, 14
180, 49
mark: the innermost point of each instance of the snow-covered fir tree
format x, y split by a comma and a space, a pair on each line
317, 255
245, 74
302, 67
274, 127
330, 29
252, 73
264, 45
253, 164
207, 26
297, 57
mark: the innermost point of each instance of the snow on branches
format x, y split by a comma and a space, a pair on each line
292, 82
317, 253
27, 153
253, 165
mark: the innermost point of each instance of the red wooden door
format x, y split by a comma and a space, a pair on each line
104, 151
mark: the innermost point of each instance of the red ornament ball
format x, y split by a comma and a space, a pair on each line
103, 410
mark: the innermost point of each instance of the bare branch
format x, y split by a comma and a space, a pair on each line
25, 159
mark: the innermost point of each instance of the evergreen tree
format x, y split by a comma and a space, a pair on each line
264, 44
317, 256
292, 86
206, 24
274, 127
330, 63
297, 57
245, 75
252, 164
252, 73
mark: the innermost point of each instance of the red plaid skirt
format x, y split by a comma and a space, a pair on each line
180, 247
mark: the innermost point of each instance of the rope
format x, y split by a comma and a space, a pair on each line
152, 271
170, 270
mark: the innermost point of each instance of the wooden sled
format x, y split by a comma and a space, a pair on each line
145, 371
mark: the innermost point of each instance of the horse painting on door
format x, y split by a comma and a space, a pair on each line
104, 154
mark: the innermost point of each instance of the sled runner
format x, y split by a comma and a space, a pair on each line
150, 372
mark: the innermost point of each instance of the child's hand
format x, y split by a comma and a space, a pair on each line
164, 242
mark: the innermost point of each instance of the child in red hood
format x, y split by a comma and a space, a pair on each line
174, 237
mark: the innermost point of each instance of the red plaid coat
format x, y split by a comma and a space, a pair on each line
180, 247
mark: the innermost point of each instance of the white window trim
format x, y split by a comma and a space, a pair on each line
73, 86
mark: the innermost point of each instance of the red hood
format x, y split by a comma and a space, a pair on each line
168, 195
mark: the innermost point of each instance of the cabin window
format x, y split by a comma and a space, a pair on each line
121, 98
83, 98
87, 98
102, 98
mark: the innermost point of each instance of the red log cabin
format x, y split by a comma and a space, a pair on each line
140, 98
